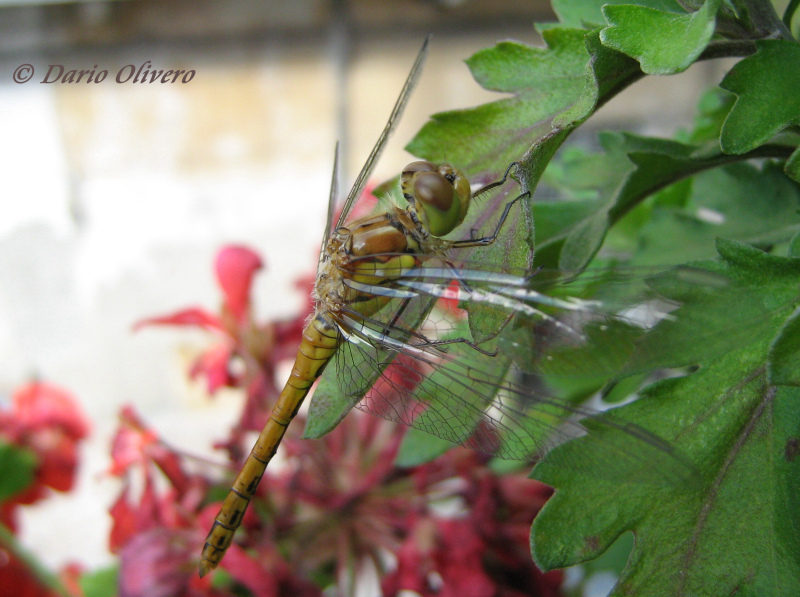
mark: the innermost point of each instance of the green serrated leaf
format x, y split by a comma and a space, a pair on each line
745, 298
760, 266
658, 163
582, 13
737, 428
662, 42
635, 168
544, 81
766, 85
555, 220
614, 559
583, 242
510, 249
595, 177
718, 540
607, 72
17, 468
736, 201
485, 140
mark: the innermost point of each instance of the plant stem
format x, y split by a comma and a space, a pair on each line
789, 13
728, 49
764, 151
9, 542
767, 23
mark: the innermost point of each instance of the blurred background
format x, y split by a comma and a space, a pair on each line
114, 198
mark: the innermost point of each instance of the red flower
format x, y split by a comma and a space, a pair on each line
235, 267
267, 573
257, 347
137, 450
214, 364
158, 531
158, 563
192, 317
483, 549
48, 421
41, 405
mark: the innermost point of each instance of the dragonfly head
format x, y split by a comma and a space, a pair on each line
438, 193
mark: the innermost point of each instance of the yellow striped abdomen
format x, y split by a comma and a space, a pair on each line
318, 345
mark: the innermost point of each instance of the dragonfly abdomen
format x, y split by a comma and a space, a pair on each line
320, 341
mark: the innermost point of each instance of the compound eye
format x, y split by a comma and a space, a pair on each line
437, 202
434, 191
438, 193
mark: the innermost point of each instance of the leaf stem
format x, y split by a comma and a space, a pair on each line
9, 542
765, 151
788, 14
765, 20
728, 49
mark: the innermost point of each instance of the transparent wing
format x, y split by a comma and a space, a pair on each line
399, 321
394, 117
333, 196
448, 387
423, 364
590, 334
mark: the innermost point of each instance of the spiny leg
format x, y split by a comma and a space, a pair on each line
497, 183
488, 240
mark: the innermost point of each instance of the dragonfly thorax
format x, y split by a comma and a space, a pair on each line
438, 195
369, 253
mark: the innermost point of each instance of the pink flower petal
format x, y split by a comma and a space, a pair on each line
192, 317
235, 266
157, 563
213, 364
131, 442
39, 405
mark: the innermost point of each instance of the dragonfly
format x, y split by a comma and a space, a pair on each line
380, 278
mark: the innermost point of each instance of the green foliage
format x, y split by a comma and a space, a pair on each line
735, 422
721, 200
766, 85
663, 42
17, 468
100, 583
661, 201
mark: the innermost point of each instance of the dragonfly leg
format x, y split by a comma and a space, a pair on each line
488, 240
463, 283
398, 313
472, 345
497, 183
